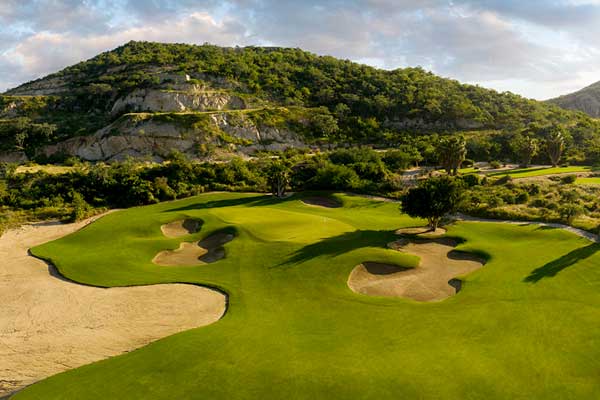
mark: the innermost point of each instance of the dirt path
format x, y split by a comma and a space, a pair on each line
49, 324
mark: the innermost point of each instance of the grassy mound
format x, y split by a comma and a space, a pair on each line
524, 326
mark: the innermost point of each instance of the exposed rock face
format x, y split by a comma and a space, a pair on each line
10, 110
194, 99
130, 136
45, 87
14, 157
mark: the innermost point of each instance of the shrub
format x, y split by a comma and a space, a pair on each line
336, 177
504, 180
470, 180
568, 179
570, 211
522, 198
495, 164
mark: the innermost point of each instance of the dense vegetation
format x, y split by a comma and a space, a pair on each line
360, 104
87, 188
92, 186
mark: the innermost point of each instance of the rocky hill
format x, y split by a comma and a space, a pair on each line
586, 100
147, 99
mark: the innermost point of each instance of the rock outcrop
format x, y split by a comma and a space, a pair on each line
193, 99
42, 87
135, 135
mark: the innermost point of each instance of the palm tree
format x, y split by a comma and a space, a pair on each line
278, 178
526, 147
452, 151
555, 145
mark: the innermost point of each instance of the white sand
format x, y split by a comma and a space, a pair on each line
49, 325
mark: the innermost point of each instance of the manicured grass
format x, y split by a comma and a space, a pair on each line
524, 326
541, 171
588, 181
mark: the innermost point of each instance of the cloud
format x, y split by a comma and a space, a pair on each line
45, 52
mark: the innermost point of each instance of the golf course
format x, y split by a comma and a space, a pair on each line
500, 311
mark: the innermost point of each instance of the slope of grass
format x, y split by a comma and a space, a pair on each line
541, 171
524, 326
588, 181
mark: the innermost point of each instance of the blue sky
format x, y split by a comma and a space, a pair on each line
536, 48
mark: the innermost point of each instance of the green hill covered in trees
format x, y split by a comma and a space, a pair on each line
262, 98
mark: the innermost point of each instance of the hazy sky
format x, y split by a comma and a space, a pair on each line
537, 48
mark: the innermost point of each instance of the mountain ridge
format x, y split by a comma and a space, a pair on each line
586, 100
304, 100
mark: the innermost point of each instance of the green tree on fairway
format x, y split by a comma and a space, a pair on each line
433, 199
555, 145
278, 178
525, 147
452, 151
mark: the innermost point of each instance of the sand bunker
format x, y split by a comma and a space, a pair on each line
49, 324
321, 201
433, 280
205, 251
181, 228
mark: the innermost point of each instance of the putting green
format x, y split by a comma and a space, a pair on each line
523, 326
271, 224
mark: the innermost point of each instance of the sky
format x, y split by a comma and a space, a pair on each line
537, 48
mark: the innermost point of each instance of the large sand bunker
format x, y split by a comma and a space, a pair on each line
205, 251
49, 324
433, 280
181, 228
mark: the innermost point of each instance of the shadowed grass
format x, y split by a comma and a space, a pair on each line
554, 267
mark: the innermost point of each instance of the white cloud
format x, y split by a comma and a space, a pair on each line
45, 52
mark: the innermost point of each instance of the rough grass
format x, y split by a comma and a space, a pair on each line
524, 326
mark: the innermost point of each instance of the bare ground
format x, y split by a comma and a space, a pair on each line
49, 324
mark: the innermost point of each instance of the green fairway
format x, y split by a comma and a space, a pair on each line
525, 326
588, 181
541, 171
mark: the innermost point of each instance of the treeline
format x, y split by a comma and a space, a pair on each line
129, 183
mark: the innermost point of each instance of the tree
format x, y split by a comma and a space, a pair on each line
570, 211
433, 199
278, 178
452, 151
555, 145
525, 147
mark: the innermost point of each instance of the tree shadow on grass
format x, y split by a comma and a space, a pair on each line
554, 267
259, 200
337, 245
254, 201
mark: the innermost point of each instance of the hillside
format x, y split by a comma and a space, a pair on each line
586, 100
146, 99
